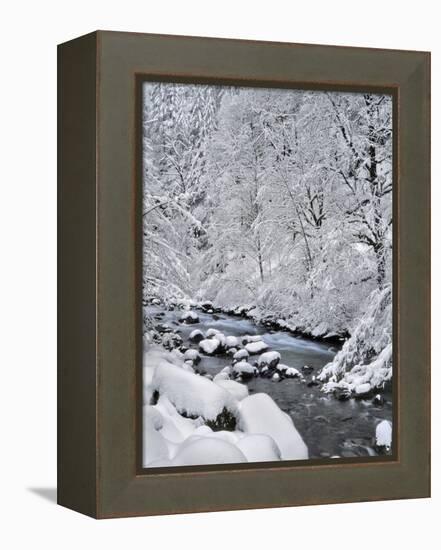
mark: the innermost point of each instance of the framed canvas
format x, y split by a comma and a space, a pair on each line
244, 274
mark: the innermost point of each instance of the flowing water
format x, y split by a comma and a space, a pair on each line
329, 427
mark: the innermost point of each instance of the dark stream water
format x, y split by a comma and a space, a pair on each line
329, 427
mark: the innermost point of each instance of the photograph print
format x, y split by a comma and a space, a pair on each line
266, 275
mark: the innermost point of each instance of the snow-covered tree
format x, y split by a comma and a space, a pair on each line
276, 199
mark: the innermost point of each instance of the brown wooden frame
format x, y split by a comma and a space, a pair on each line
99, 471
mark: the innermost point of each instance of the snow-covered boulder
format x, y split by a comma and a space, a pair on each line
237, 390
256, 347
153, 415
269, 359
171, 340
231, 342
192, 355
265, 372
258, 413
196, 336
276, 377
216, 334
383, 435
288, 372
248, 338
362, 389
175, 427
221, 376
188, 366
378, 400
163, 327
259, 448
191, 394
210, 346
244, 369
155, 446
225, 435
231, 352
240, 355
208, 450
212, 332
189, 317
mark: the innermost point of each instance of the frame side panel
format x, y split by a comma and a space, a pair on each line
77, 275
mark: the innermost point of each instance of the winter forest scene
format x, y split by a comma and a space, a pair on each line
267, 275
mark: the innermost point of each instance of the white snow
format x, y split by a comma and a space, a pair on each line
153, 415
191, 355
188, 366
221, 376
189, 316
242, 367
229, 437
176, 428
256, 347
263, 431
154, 445
320, 330
209, 346
259, 448
231, 342
192, 394
361, 389
353, 367
196, 334
207, 450
237, 390
212, 332
248, 338
383, 434
241, 354
290, 372
258, 413
270, 359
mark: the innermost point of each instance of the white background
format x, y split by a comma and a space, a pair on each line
29, 34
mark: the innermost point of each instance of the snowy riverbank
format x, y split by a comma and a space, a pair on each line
189, 419
361, 368
218, 367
